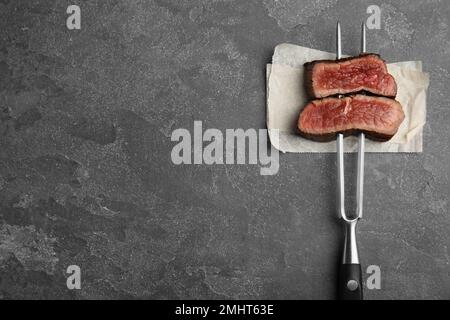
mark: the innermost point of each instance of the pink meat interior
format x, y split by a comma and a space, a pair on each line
331, 115
365, 73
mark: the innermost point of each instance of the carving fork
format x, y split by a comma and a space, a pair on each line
350, 274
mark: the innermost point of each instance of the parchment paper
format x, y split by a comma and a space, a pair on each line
286, 97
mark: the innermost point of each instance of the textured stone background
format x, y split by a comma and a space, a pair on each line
85, 171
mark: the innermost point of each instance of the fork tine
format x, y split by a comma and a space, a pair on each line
338, 41
340, 142
361, 143
340, 179
363, 37
360, 177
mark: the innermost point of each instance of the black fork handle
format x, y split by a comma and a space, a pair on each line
350, 282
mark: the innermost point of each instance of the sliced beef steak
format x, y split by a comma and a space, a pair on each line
378, 117
367, 72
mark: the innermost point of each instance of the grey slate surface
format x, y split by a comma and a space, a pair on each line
86, 176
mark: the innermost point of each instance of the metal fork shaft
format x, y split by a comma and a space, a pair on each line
350, 253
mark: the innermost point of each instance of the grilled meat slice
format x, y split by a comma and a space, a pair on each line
367, 72
378, 117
